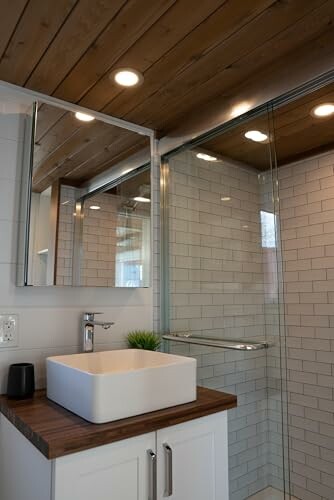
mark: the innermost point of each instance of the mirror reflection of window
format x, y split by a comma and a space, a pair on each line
268, 229
133, 240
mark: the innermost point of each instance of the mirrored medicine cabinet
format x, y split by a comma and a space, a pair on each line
85, 203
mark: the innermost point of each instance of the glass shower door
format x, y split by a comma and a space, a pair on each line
223, 290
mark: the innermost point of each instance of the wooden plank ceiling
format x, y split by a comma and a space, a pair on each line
188, 56
297, 133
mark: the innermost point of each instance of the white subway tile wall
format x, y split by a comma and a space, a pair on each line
49, 317
101, 232
98, 240
307, 222
223, 284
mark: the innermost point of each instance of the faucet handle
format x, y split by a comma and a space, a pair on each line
89, 316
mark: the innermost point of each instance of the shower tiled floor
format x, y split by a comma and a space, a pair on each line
271, 494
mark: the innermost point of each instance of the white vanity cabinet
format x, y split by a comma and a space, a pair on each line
187, 461
192, 460
119, 470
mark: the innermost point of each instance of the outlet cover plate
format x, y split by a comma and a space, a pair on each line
9, 330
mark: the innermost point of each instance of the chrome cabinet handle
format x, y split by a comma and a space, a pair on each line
152, 472
168, 470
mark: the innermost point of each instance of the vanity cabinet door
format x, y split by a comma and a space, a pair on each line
193, 460
119, 471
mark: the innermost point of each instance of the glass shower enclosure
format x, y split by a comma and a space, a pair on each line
222, 290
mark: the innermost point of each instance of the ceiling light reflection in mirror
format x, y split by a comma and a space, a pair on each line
84, 117
256, 136
206, 157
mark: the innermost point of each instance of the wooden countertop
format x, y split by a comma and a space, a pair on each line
57, 432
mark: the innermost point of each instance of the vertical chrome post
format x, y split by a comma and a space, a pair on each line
164, 250
22, 277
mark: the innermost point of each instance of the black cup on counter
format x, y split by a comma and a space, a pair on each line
21, 381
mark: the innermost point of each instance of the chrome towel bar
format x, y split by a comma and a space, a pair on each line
238, 345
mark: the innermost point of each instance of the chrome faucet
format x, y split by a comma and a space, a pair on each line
88, 324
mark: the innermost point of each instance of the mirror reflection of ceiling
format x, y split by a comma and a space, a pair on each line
75, 150
134, 187
189, 57
298, 133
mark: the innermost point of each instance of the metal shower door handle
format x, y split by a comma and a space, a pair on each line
168, 470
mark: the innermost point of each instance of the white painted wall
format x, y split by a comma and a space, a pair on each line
49, 317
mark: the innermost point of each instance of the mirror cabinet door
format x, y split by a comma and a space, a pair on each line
88, 220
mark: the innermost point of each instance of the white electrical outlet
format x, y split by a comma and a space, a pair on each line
9, 330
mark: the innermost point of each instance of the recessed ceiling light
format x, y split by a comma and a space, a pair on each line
142, 199
225, 198
127, 77
245, 226
95, 207
84, 117
323, 110
256, 135
203, 156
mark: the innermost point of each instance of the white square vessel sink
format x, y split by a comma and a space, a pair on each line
105, 386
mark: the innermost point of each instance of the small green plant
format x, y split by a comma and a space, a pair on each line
142, 339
